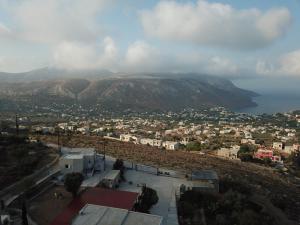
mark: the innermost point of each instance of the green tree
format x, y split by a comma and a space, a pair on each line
245, 157
193, 146
73, 182
119, 165
244, 149
147, 199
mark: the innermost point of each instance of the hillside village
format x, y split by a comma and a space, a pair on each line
216, 131
184, 152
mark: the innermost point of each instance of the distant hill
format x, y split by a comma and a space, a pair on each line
46, 74
140, 92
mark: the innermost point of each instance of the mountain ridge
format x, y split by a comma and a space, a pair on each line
118, 92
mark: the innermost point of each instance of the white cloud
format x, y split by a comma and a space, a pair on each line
285, 65
15, 64
52, 21
4, 30
140, 56
290, 63
215, 24
80, 55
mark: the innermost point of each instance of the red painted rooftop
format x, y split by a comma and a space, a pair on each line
96, 196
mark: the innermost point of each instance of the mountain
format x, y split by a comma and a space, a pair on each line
48, 74
119, 92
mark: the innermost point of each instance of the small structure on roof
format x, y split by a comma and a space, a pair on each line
77, 160
111, 179
102, 215
204, 180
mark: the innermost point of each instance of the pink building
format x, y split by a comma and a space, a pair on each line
263, 153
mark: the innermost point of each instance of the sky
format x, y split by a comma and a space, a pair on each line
231, 38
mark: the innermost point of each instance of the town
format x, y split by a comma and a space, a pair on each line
129, 157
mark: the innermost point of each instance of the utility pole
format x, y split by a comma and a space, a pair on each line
58, 139
17, 125
104, 148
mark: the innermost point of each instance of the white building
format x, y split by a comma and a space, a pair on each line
151, 142
126, 137
278, 145
71, 163
248, 141
77, 160
170, 145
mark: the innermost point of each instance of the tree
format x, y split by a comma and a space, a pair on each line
295, 158
244, 149
147, 199
119, 165
193, 146
73, 182
245, 157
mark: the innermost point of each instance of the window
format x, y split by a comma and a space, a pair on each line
67, 166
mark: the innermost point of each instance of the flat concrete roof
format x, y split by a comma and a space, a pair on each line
102, 215
73, 156
205, 175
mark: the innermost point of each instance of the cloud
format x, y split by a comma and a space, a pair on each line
140, 56
285, 65
81, 55
52, 21
4, 30
215, 24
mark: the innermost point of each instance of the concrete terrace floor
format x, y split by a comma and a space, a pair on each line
165, 187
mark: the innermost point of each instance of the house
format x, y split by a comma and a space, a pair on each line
229, 153
278, 145
287, 150
170, 145
296, 147
71, 163
248, 135
111, 179
126, 137
48, 130
103, 215
205, 180
77, 160
248, 141
263, 153
185, 140
151, 142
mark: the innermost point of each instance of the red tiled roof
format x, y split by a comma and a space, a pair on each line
96, 196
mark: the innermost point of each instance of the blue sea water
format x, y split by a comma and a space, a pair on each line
268, 103
277, 94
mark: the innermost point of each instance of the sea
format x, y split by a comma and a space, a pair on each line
275, 95
272, 103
